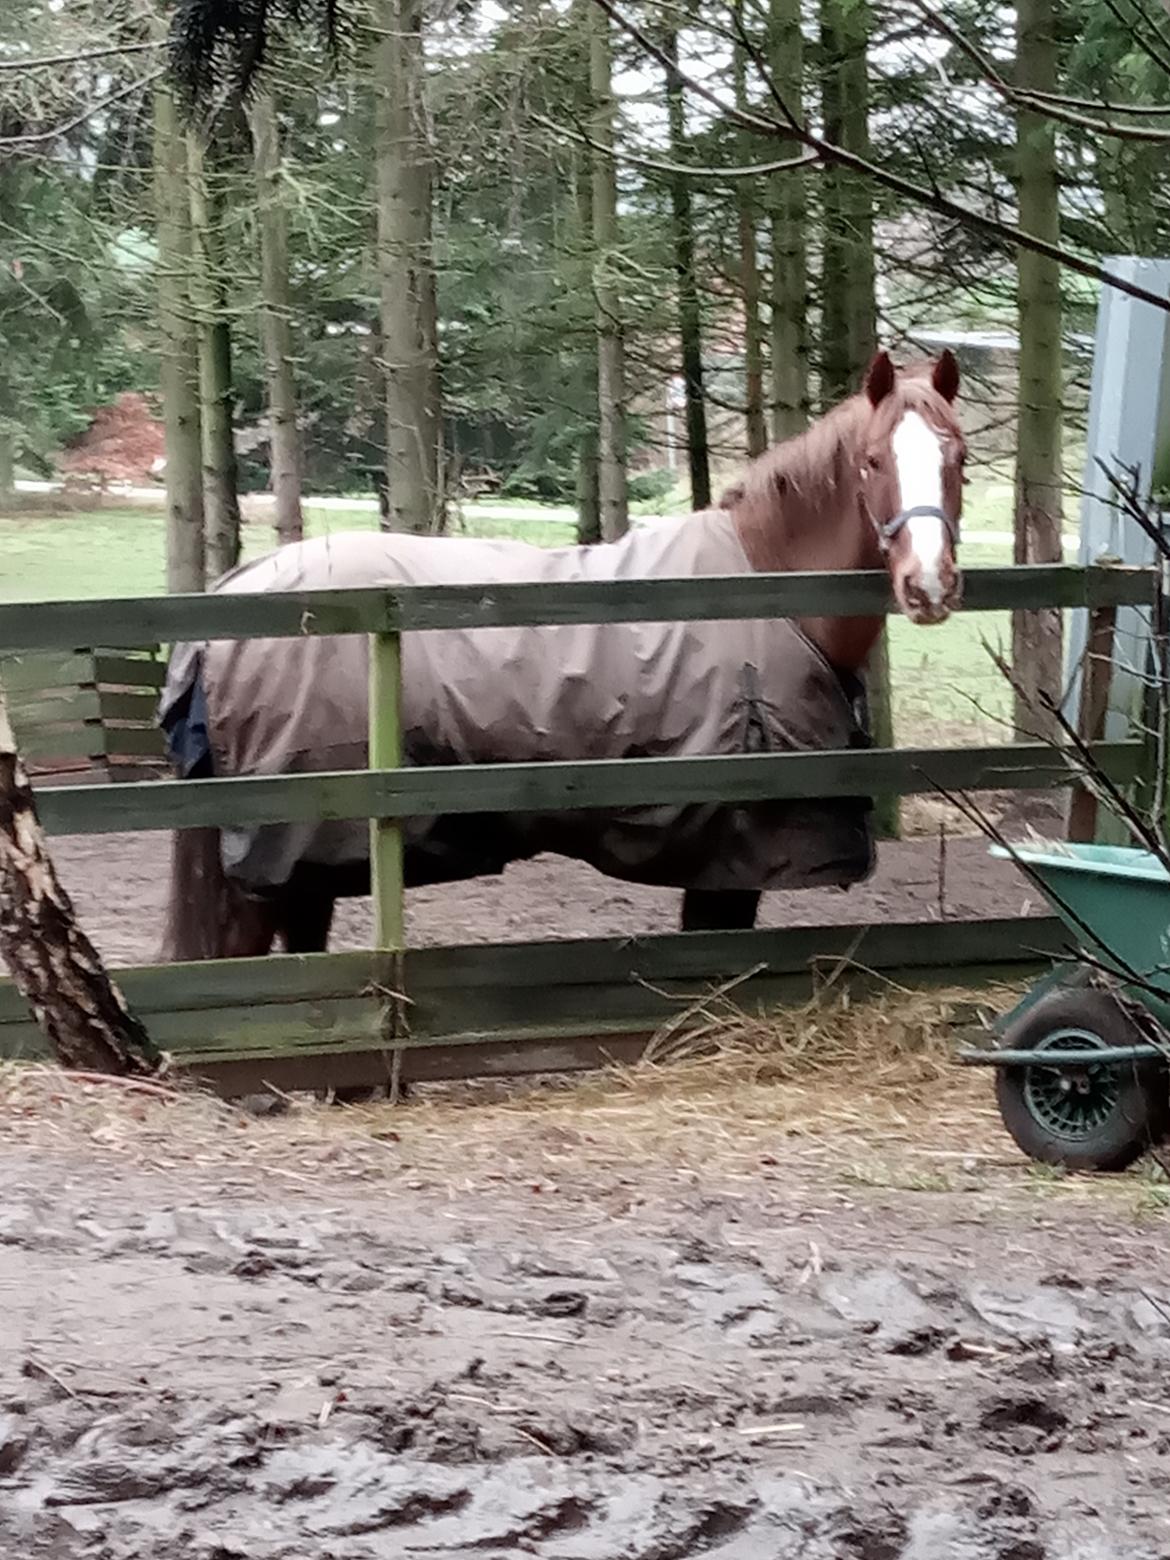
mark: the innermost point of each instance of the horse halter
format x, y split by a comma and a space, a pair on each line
889, 530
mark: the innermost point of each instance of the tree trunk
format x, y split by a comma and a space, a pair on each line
221, 499
284, 436
689, 317
588, 489
789, 204
407, 272
54, 965
749, 270
611, 350
588, 492
7, 465
179, 355
848, 288
848, 323
1036, 636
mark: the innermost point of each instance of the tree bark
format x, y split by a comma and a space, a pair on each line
849, 323
588, 481
789, 202
690, 328
407, 272
749, 270
276, 316
179, 356
848, 289
54, 965
221, 499
611, 351
1036, 636
588, 492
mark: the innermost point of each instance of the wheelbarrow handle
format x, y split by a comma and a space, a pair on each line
1091, 1056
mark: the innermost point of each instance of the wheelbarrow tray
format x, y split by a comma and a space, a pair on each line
1115, 900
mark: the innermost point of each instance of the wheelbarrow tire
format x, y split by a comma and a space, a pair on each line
1111, 1121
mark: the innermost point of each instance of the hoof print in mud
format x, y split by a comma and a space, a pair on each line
869, 1535
1024, 1424
13, 1444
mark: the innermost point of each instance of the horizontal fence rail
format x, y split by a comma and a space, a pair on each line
509, 1008
63, 625
549, 787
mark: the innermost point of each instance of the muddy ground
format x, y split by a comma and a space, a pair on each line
722, 1313
490, 1331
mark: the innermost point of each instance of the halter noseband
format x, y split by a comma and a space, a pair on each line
888, 531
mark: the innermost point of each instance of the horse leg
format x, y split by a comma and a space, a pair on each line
306, 917
719, 910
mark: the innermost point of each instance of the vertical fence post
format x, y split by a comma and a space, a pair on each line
386, 882
1129, 425
1096, 677
887, 810
386, 854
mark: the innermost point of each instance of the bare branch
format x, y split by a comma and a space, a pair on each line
828, 152
691, 170
80, 57
1024, 99
40, 137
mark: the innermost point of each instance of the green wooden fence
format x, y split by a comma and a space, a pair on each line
349, 1018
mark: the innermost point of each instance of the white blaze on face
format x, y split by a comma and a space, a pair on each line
918, 457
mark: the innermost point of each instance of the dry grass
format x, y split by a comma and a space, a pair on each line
857, 1097
726, 1089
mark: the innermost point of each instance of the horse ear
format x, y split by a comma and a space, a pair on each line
945, 375
879, 378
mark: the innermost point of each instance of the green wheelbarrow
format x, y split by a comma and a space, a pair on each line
1081, 1064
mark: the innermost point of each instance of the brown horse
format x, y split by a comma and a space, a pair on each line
876, 483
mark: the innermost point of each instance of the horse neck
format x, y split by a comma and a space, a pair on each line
823, 530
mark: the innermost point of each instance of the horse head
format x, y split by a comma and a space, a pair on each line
911, 481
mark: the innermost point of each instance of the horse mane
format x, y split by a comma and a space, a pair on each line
802, 477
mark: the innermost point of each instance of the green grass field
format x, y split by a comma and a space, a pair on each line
944, 683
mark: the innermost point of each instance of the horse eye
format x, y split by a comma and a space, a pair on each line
874, 462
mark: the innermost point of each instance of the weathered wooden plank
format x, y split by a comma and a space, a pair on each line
489, 788
133, 742
562, 1048
326, 1033
529, 992
126, 671
54, 707
45, 669
135, 621
712, 955
222, 983
127, 771
42, 743
672, 956
387, 880
116, 704
280, 1028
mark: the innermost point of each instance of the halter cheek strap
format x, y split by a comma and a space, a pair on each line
888, 531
